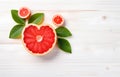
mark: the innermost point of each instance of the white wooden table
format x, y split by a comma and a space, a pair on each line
95, 25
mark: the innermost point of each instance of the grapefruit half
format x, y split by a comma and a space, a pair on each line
39, 40
58, 20
24, 12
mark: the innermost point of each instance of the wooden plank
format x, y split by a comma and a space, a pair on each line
63, 5
15, 61
88, 26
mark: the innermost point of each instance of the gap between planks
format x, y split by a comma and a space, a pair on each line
66, 10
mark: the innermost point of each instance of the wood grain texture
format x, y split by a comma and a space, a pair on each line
95, 25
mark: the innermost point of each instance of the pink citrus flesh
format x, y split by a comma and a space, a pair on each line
58, 20
39, 40
24, 12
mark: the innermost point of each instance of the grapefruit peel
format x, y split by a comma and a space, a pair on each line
36, 19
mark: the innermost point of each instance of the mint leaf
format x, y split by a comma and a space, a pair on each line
63, 32
37, 18
16, 18
16, 31
64, 45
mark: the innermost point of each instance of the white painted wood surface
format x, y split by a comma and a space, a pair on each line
95, 25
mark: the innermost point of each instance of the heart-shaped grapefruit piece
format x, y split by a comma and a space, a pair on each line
39, 40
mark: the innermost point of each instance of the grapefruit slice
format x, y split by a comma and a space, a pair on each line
24, 12
58, 20
39, 40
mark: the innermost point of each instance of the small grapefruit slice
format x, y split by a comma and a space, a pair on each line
58, 20
39, 40
24, 12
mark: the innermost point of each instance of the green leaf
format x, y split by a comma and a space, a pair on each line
64, 45
37, 18
16, 18
16, 31
63, 32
